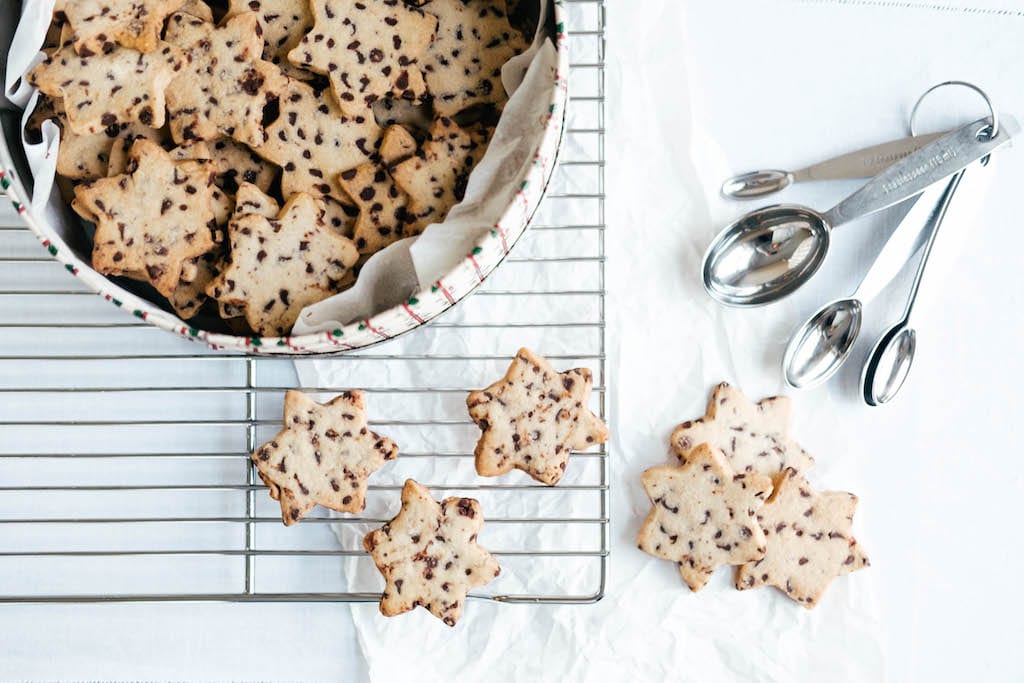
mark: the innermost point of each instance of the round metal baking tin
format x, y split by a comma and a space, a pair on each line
418, 310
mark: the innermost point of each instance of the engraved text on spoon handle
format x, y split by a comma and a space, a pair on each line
926, 166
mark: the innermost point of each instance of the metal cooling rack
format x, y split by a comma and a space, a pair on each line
124, 466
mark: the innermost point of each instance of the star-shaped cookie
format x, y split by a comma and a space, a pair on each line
429, 556
284, 22
368, 50
382, 206
99, 26
754, 437
281, 265
237, 164
703, 515
120, 87
314, 142
227, 85
809, 541
463, 65
533, 418
435, 177
153, 219
323, 456
249, 200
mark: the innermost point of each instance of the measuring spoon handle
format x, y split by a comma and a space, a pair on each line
927, 166
937, 216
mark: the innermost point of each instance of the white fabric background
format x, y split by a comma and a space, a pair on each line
698, 91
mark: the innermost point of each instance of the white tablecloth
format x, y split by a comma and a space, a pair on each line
698, 91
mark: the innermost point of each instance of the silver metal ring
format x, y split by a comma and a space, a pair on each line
988, 102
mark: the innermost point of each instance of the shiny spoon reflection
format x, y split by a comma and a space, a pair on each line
771, 252
823, 343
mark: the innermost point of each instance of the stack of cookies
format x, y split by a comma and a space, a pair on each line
244, 158
740, 498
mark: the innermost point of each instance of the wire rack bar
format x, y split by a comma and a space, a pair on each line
123, 449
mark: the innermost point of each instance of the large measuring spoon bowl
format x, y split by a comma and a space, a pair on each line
767, 255
772, 252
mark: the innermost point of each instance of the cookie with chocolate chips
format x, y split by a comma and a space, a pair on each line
313, 141
281, 265
809, 541
435, 177
227, 85
368, 50
99, 26
324, 455
463, 65
189, 296
122, 86
79, 157
249, 201
118, 159
284, 22
754, 436
382, 206
533, 418
429, 555
153, 219
237, 164
703, 515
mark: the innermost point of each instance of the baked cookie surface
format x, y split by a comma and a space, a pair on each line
754, 436
463, 65
533, 418
152, 219
809, 541
368, 50
428, 554
120, 87
704, 515
227, 84
99, 26
281, 265
323, 456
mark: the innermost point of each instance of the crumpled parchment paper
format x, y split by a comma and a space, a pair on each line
669, 149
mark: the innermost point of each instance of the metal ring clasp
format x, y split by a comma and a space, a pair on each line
988, 102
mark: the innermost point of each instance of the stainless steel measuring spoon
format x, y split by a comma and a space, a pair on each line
771, 252
863, 163
889, 362
821, 345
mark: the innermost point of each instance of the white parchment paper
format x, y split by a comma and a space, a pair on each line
669, 344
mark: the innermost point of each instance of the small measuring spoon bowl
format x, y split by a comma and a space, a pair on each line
822, 343
772, 252
757, 184
892, 357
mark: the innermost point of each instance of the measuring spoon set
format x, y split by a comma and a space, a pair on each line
771, 252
